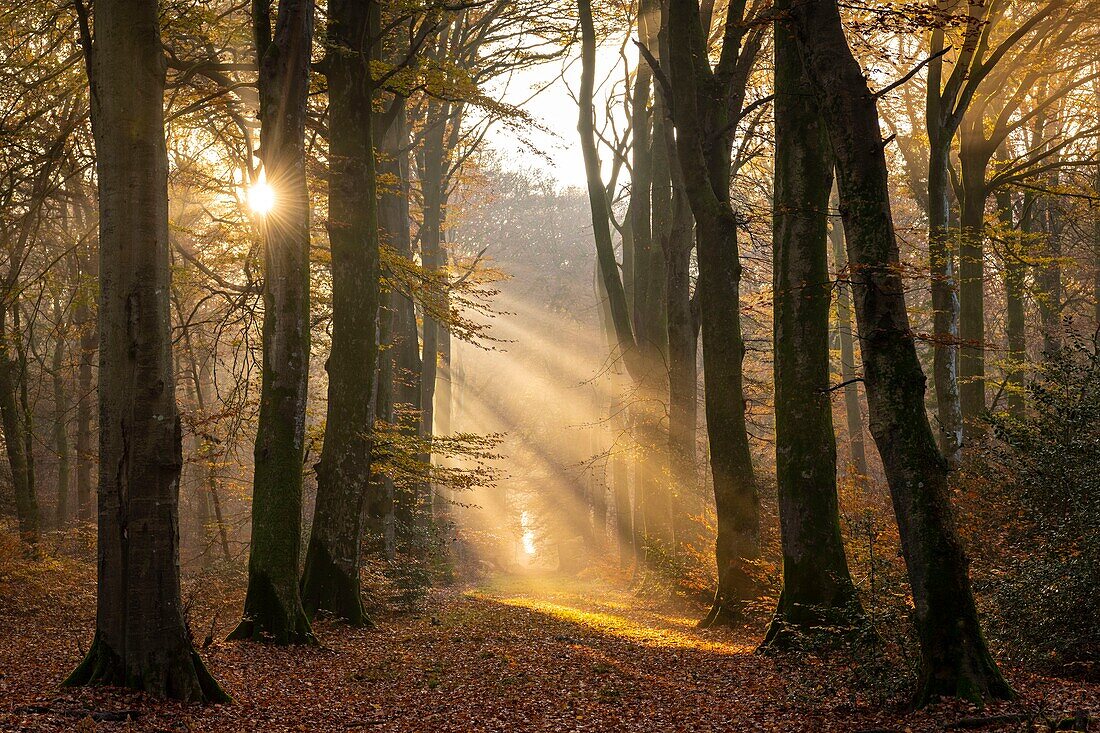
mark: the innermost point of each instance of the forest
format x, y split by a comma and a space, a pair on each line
550, 365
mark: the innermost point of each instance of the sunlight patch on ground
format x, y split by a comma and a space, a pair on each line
610, 616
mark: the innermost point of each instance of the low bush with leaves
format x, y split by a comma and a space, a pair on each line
1039, 501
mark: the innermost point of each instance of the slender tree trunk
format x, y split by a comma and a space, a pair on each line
954, 658
205, 447
1048, 279
141, 640
945, 301
14, 420
613, 285
85, 457
434, 260
331, 578
852, 409
60, 424
400, 369
682, 358
818, 592
273, 606
1015, 274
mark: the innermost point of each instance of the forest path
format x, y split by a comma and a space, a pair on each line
531, 652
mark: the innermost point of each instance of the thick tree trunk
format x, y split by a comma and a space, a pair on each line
954, 658
703, 107
852, 410
737, 504
141, 640
330, 581
972, 291
818, 594
273, 607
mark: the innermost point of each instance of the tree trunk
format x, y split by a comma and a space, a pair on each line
85, 457
954, 657
330, 581
818, 593
703, 108
1015, 274
433, 257
852, 410
60, 424
972, 285
400, 370
141, 640
273, 606
14, 419
945, 301
1048, 279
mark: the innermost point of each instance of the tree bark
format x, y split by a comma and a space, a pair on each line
818, 594
273, 606
972, 283
945, 299
330, 581
1015, 275
85, 457
400, 371
141, 640
852, 410
60, 423
704, 102
954, 658
16, 430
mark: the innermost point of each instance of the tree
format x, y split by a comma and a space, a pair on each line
946, 106
141, 640
273, 606
707, 104
331, 577
852, 411
818, 593
954, 658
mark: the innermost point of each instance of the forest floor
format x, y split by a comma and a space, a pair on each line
536, 652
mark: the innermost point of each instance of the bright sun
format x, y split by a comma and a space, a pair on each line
261, 197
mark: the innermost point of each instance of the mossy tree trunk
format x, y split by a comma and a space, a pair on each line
141, 640
273, 608
330, 581
818, 595
954, 658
